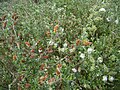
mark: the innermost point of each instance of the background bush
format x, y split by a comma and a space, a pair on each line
60, 45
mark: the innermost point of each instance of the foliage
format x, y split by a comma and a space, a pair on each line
60, 45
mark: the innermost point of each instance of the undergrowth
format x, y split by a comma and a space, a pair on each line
59, 45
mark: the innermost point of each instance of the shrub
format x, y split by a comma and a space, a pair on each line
61, 45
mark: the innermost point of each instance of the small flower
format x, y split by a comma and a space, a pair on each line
62, 29
63, 49
104, 78
108, 19
82, 55
40, 50
100, 59
37, 42
90, 50
51, 42
102, 10
55, 45
116, 21
45, 69
72, 83
65, 45
72, 50
74, 70
97, 75
111, 78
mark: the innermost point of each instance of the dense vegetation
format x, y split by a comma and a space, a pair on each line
59, 45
